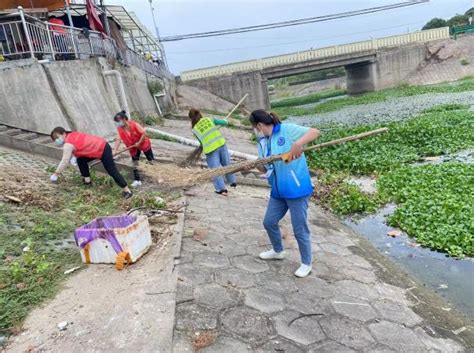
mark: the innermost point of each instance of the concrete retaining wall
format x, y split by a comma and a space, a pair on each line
234, 87
396, 65
73, 94
26, 100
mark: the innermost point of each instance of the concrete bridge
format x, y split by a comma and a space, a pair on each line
370, 65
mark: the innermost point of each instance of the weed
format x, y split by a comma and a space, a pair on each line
311, 98
158, 136
465, 62
379, 96
150, 120
407, 141
155, 87
435, 205
446, 108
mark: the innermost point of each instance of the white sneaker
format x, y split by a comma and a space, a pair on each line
136, 183
303, 271
272, 255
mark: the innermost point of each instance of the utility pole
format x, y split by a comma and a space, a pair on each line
162, 49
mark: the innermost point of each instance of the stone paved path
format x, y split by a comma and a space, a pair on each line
231, 301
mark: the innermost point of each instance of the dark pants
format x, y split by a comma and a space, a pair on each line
149, 156
109, 165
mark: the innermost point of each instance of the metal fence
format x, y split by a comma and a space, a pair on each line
321, 53
30, 37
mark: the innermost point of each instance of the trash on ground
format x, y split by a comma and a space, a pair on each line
71, 270
62, 325
116, 239
394, 233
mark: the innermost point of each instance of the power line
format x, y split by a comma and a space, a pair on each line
294, 42
292, 22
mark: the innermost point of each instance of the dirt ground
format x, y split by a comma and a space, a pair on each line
110, 311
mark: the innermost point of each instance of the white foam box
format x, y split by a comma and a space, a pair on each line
134, 238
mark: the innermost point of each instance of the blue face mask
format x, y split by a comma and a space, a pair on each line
59, 141
118, 123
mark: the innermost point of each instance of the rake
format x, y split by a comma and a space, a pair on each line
180, 178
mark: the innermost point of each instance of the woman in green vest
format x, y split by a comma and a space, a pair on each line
214, 147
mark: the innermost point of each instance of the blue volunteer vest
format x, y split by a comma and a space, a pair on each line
288, 180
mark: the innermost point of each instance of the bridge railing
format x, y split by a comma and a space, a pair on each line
321, 53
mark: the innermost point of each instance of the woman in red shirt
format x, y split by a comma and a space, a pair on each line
86, 148
133, 136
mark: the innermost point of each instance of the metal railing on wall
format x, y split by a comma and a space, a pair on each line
321, 53
32, 38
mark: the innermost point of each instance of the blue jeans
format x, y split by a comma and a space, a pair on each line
276, 210
216, 159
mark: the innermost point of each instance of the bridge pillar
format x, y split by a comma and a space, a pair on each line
234, 87
361, 77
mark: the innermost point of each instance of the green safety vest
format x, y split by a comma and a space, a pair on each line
209, 135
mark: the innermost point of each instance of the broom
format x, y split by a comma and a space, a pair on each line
189, 177
194, 155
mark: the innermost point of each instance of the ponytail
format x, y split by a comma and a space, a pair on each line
122, 114
195, 115
275, 118
261, 116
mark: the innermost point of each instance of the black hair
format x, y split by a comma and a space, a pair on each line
122, 114
261, 116
58, 130
195, 115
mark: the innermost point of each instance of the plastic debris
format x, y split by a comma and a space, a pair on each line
71, 270
62, 325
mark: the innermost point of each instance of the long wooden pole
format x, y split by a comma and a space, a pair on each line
284, 156
236, 106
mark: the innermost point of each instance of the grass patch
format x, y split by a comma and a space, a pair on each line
34, 250
158, 136
379, 96
435, 205
310, 98
148, 120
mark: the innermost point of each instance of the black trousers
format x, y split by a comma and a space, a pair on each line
109, 165
149, 156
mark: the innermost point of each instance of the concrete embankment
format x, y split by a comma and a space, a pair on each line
73, 94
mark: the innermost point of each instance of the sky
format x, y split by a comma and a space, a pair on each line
192, 16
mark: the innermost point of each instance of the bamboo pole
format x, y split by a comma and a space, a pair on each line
236, 106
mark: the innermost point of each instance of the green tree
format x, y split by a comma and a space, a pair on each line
458, 20
435, 23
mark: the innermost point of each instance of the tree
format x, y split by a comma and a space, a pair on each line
435, 23
458, 20
470, 12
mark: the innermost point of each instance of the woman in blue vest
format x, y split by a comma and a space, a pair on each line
290, 181
214, 147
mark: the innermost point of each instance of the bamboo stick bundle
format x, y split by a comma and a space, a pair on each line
176, 177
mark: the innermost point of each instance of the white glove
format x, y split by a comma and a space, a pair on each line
73, 161
53, 178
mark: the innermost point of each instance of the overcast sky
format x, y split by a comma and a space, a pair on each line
191, 16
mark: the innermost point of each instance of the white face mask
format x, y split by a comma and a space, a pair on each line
258, 134
119, 123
